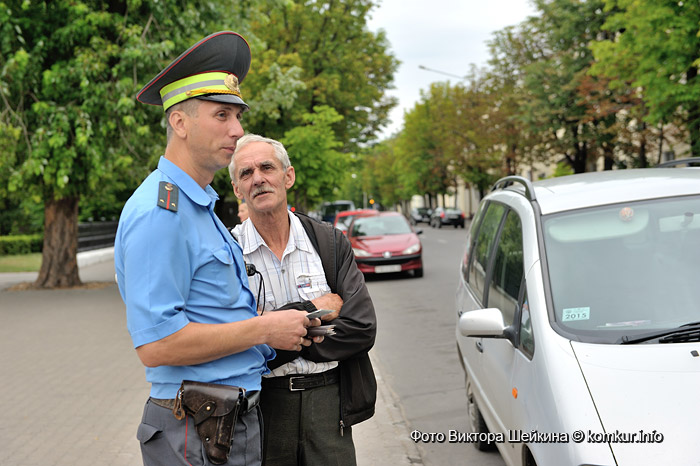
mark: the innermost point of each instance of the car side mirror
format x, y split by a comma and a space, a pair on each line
483, 323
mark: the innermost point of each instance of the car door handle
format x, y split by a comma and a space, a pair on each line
479, 346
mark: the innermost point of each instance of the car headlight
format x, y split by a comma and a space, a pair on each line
360, 252
411, 249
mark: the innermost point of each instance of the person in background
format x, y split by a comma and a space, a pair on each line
243, 212
314, 394
190, 312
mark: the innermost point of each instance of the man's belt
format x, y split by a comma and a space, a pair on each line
297, 382
251, 401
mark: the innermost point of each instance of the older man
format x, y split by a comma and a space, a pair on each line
315, 394
190, 312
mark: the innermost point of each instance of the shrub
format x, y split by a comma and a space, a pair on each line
20, 244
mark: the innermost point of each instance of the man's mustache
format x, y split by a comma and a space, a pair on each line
261, 190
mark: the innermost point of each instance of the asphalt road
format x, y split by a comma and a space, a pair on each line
417, 350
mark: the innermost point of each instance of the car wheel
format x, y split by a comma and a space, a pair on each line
529, 460
476, 421
417, 273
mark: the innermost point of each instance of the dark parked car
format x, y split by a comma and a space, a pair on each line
420, 214
446, 216
330, 209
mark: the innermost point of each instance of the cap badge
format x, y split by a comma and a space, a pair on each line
231, 82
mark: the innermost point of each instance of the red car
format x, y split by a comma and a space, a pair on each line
385, 243
344, 218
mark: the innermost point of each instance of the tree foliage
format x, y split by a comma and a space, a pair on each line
73, 135
311, 53
312, 149
547, 98
70, 70
656, 49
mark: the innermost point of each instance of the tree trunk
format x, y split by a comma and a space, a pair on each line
510, 160
643, 162
693, 116
661, 143
608, 160
59, 264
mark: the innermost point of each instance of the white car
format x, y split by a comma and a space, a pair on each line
578, 319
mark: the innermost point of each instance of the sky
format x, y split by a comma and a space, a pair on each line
443, 35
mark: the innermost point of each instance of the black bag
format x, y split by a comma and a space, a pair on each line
214, 409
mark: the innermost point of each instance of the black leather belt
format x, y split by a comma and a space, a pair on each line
251, 400
297, 382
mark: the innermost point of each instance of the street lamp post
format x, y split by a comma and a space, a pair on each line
441, 72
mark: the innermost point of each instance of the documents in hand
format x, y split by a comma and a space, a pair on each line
320, 331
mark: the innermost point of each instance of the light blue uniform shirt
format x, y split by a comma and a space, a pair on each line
174, 268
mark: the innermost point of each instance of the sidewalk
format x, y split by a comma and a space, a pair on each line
73, 388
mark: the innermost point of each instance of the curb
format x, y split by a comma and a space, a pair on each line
95, 256
387, 434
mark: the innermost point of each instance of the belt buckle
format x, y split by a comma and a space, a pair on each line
291, 384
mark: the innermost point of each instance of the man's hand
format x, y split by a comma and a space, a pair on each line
329, 301
286, 329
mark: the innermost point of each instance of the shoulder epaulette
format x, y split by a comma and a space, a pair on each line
167, 196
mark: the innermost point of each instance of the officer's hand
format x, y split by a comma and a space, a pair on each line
329, 301
285, 330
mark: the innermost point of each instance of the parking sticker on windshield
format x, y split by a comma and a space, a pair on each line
576, 313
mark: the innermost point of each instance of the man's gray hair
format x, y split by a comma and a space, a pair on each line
280, 152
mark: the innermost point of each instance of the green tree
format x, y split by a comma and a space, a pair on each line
69, 71
420, 161
382, 178
449, 134
312, 53
655, 47
319, 167
503, 82
557, 43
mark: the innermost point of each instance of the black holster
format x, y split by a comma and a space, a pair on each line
214, 409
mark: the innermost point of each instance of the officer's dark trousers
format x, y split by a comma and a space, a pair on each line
165, 441
303, 428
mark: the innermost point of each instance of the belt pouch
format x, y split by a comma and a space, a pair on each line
214, 408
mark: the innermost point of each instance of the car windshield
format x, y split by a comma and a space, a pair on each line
383, 225
626, 269
345, 220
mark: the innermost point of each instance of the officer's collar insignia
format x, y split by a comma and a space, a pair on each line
167, 196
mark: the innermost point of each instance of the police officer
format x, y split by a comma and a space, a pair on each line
190, 313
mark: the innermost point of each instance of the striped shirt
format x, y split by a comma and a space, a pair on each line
298, 276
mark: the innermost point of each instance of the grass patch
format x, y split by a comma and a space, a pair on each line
21, 263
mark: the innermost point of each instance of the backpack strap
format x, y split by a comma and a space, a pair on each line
330, 264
